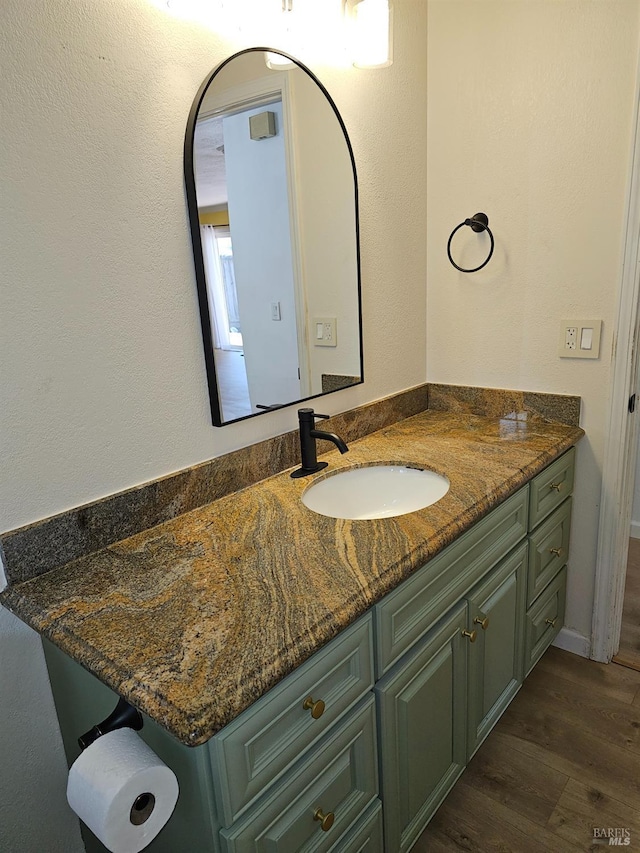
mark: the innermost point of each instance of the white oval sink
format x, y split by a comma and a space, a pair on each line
375, 491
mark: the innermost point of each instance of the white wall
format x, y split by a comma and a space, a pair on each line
326, 213
260, 221
529, 120
103, 379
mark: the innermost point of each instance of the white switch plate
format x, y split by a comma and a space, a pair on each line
572, 337
328, 327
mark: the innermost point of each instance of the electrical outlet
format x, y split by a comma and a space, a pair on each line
324, 332
571, 337
580, 338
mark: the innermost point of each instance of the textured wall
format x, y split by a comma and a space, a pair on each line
100, 347
103, 346
529, 119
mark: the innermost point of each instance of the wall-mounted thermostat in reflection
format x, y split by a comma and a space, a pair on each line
262, 125
325, 332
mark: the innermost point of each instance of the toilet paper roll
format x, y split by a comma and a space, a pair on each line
122, 791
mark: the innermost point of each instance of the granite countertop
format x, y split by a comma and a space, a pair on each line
194, 619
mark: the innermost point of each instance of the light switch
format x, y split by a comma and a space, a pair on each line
586, 341
580, 338
325, 332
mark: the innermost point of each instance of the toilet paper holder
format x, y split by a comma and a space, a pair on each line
123, 716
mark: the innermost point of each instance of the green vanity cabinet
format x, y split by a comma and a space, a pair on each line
422, 722
407, 613
549, 528
496, 615
253, 751
439, 702
242, 789
544, 620
82, 701
322, 796
454, 642
331, 760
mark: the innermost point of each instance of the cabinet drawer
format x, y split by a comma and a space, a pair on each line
339, 776
407, 613
551, 487
544, 620
256, 748
549, 550
366, 835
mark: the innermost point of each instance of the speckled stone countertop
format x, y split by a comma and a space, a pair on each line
196, 618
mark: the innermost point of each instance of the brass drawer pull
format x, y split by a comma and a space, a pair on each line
551, 622
556, 551
483, 623
316, 708
555, 486
471, 635
326, 820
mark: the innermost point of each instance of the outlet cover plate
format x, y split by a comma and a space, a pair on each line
569, 347
325, 332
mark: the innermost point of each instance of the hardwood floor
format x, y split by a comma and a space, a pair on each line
629, 652
231, 375
563, 760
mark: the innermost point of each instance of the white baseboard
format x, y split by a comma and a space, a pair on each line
571, 641
635, 529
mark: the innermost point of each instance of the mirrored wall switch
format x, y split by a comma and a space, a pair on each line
325, 332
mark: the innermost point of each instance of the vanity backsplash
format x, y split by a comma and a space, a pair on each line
37, 548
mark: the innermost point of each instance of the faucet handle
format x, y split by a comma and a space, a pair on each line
308, 415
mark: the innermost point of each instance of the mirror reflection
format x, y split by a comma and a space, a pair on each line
272, 198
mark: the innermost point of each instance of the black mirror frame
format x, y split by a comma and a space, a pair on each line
198, 259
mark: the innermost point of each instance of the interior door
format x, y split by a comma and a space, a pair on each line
260, 223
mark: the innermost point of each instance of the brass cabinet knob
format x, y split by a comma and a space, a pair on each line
316, 708
555, 486
471, 635
326, 820
556, 551
483, 623
551, 622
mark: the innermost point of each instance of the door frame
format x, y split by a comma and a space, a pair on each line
621, 450
251, 94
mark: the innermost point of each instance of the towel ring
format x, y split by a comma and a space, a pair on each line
478, 222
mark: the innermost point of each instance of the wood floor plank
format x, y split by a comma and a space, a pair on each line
631, 661
470, 820
616, 722
515, 780
629, 650
581, 808
616, 682
574, 720
581, 755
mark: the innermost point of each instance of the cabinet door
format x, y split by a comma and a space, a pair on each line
422, 717
496, 617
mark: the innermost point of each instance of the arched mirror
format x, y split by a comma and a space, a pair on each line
273, 208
